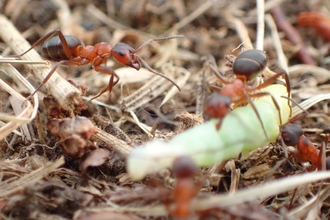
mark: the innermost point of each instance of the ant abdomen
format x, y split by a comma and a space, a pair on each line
249, 64
53, 50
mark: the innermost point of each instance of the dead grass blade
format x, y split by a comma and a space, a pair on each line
25, 117
29, 179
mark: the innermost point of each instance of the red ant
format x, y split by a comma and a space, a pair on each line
71, 51
186, 189
247, 66
292, 135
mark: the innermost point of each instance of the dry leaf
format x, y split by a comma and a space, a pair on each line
95, 158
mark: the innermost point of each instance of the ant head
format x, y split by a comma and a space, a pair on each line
184, 167
250, 64
291, 133
125, 54
217, 105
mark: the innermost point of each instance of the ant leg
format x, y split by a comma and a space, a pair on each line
299, 117
112, 83
215, 88
305, 112
218, 125
107, 88
157, 73
196, 189
46, 37
260, 94
248, 99
52, 71
284, 147
218, 75
272, 79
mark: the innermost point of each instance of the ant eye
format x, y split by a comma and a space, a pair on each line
287, 140
121, 52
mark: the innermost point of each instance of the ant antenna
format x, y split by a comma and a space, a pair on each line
158, 39
304, 110
140, 60
157, 73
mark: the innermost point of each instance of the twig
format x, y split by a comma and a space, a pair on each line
17, 77
260, 25
60, 89
29, 179
112, 142
292, 34
11, 61
268, 5
114, 24
282, 60
27, 114
16, 104
64, 16
14, 121
240, 29
200, 89
318, 72
199, 11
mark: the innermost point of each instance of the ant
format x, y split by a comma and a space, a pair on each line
184, 169
71, 51
246, 67
292, 135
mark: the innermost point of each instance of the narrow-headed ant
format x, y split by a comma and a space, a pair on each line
292, 135
184, 169
247, 66
71, 51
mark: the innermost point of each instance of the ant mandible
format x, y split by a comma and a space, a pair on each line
292, 135
247, 66
71, 51
184, 169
